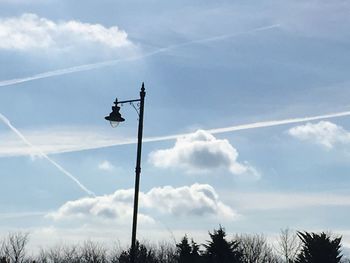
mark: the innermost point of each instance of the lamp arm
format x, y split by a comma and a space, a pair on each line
131, 102
137, 108
128, 101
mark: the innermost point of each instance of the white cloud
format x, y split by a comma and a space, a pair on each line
115, 207
194, 200
324, 133
105, 165
30, 31
200, 152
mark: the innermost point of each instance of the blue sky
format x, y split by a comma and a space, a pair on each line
206, 65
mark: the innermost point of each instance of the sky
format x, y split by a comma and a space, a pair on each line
246, 118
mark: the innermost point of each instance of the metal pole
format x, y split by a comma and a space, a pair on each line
137, 176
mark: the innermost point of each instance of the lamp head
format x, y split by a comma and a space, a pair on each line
115, 117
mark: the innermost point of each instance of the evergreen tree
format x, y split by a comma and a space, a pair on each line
319, 248
219, 250
142, 255
196, 257
186, 252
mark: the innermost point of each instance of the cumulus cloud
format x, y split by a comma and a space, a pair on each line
105, 165
30, 31
324, 133
200, 152
194, 200
116, 207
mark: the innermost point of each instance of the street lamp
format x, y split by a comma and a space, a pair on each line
115, 118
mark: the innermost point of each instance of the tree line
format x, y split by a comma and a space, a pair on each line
291, 247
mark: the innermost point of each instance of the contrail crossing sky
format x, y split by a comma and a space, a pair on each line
92, 66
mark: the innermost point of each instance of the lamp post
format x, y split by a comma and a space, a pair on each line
115, 118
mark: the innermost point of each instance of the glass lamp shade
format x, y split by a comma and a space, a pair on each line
114, 124
114, 119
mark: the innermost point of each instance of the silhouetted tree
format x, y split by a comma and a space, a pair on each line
142, 255
165, 252
196, 256
219, 250
319, 248
288, 245
66, 254
255, 249
13, 247
71, 254
92, 252
186, 252
53, 255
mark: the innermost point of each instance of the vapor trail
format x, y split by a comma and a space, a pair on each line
110, 142
92, 66
42, 154
254, 125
